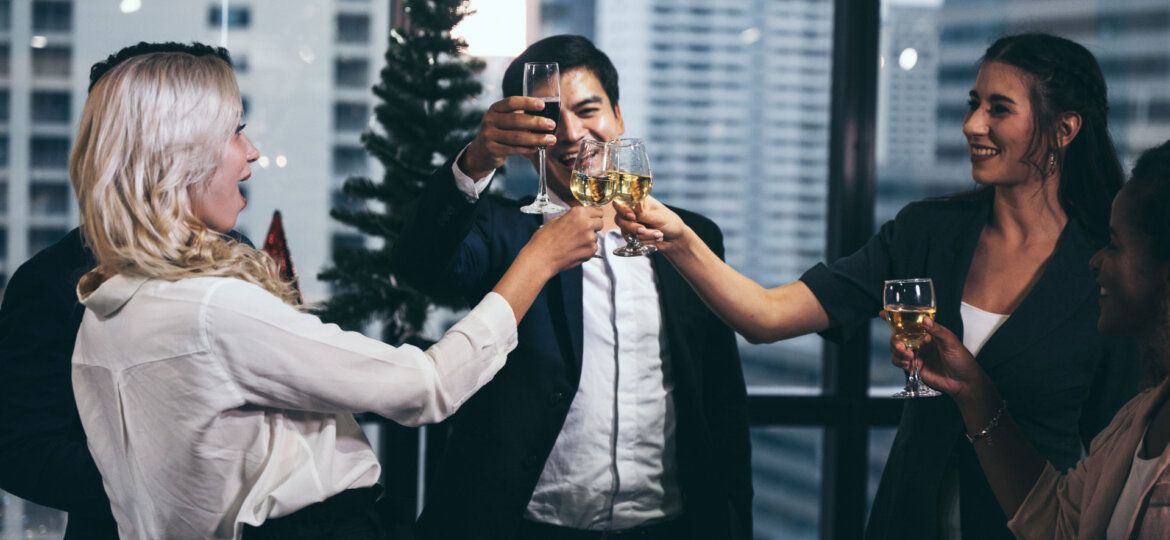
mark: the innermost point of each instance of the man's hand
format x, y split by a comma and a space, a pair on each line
505, 130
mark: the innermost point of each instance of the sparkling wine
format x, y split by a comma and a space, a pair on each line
631, 188
592, 190
906, 323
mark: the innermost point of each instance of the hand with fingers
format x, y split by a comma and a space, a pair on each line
568, 240
946, 364
504, 131
653, 223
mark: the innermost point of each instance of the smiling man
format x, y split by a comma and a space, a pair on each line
622, 409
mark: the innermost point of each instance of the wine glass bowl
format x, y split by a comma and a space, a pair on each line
542, 80
630, 169
590, 183
907, 303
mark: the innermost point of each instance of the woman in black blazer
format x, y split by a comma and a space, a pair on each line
1016, 248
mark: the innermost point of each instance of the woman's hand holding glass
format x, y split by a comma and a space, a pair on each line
651, 222
565, 241
944, 363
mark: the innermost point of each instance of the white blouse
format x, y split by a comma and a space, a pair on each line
208, 403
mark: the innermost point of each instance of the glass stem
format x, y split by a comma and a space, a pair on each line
541, 195
914, 380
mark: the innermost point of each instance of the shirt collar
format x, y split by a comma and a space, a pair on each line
111, 295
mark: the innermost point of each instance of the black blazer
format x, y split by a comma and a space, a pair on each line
500, 439
43, 456
1061, 379
43, 452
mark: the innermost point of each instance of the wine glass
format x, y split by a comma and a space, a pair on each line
590, 184
543, 80
908, 302
630, 167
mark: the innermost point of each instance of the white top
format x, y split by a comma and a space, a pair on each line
1141, 475
613, 464
978, 326
208, 403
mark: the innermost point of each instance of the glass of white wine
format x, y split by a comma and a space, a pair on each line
590, 184
908, 302
542, 80
630, 167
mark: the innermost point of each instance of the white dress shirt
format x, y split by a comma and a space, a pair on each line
208, 403
613, 464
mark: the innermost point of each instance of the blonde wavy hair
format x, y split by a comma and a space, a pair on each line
153, 132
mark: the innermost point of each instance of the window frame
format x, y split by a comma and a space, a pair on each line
844, 408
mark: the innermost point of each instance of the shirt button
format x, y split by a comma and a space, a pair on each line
554, 398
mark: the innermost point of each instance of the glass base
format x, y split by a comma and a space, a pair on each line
543, 207
634, 251
917, 391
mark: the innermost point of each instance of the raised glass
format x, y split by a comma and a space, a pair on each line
543, 80
630, 168
908, 302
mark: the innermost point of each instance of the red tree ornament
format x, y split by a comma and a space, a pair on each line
276, 246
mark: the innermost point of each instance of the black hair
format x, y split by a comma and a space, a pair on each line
1065, 77
1150, 185
195, 49
1151, 182
569, 52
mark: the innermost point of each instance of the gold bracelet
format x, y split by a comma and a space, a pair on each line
985, 433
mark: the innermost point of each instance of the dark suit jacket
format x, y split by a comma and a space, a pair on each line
501, 437
43, 456
43, 453
1061, 379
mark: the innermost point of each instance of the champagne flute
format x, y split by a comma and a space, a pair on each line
543, 80
590, 184
630, 167
908, 302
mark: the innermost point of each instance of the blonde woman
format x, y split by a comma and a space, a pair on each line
213, 408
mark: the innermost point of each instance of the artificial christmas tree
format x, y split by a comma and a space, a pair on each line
423, 118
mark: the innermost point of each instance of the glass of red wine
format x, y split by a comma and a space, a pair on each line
542, 80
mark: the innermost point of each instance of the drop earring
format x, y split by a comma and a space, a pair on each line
1051, 163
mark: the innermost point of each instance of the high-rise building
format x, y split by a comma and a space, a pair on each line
1130, 38
305, 70
733, 100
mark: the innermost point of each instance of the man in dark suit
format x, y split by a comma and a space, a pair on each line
43, 452
622, 409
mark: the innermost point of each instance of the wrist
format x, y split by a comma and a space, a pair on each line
684, 244
474, 163
534, 265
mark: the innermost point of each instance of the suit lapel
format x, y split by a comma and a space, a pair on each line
563, 295
570, 289
950, 293
1064, 285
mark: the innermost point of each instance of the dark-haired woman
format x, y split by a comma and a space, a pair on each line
1122, 489
1009, 264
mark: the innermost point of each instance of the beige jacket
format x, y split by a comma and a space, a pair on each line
1080, 503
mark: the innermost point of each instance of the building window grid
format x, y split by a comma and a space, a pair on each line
52, 16
237, 16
